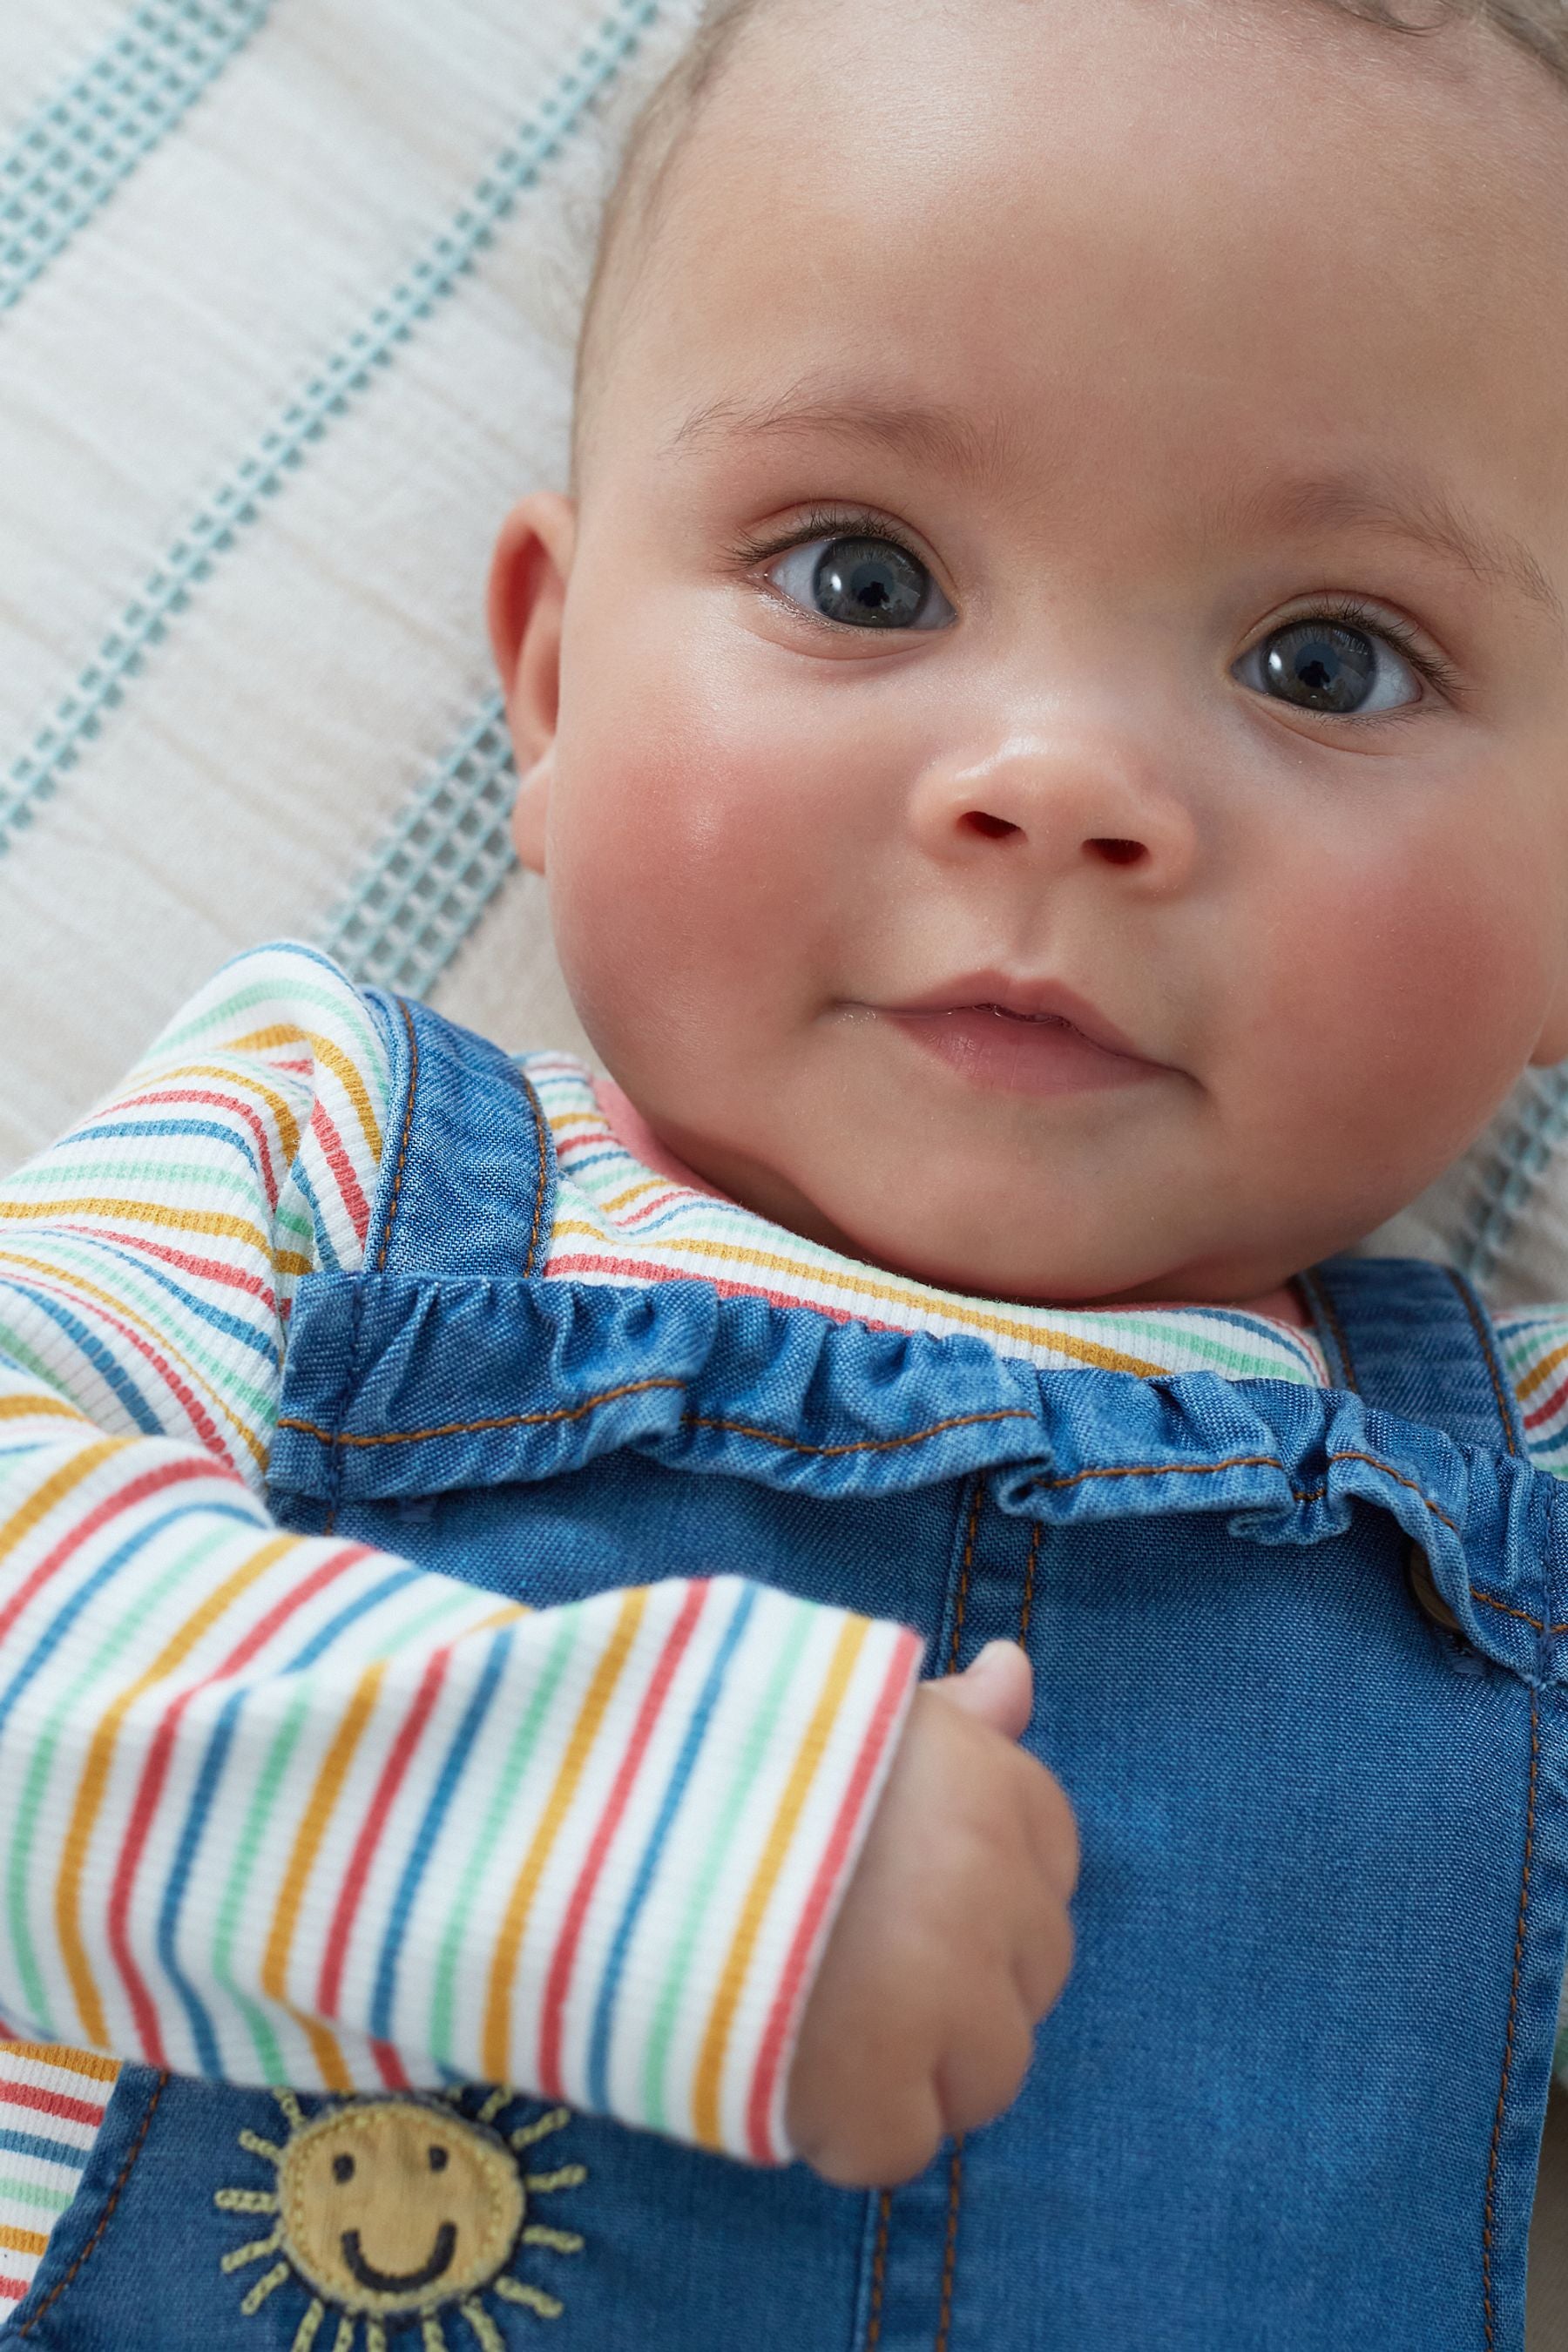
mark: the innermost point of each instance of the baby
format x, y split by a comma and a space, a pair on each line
1042, 716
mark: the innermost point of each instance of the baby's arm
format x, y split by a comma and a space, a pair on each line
287, 1808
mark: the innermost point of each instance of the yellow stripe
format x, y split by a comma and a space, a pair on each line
302, 1862
1539, 1372
95, 1777
25, 1408
710, 2063
90, 2062
143, 1212
42, 1501
225, 1072
331, 1057
498, 2014
22, 2241
637, 1192
1083, 1351
80, 1287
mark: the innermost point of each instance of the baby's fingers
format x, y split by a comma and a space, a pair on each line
887, 2141
978, 2080
1050, 1829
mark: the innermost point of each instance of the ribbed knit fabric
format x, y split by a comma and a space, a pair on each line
271, 1807
293, 1811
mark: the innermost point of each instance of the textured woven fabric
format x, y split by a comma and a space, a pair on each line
287, 294
274, 1806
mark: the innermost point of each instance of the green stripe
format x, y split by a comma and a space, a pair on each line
249, 1407
525, 1740
258, 1814
110, 1652
748, 1764
259, 1821
343, 1003
210, 1175
36, 2192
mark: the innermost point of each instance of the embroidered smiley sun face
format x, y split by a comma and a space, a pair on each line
399, 2209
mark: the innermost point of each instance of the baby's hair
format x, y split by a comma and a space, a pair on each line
665, 120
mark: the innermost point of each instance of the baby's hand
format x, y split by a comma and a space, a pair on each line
951, 1942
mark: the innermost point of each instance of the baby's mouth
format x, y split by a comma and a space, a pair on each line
1021, 1037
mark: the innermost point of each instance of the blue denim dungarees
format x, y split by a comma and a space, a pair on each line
1298, 1659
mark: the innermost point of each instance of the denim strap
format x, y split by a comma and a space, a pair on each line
468, 1170
1413, 1339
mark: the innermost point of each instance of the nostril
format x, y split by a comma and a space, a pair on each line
1119, 852
993, 827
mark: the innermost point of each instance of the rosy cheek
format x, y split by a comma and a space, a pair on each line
1408, 978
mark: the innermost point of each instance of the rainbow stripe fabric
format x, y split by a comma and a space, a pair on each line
288, 1809
292, 1810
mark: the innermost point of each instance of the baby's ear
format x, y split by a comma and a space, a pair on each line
527, 603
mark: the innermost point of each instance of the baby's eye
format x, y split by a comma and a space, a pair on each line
865, 584
1318, 664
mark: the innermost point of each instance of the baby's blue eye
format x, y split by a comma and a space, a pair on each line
866, 583
1316, 664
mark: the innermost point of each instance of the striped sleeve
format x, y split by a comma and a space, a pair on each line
1534, 1341
287, 1810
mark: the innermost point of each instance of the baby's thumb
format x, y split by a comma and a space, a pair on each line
998, 1686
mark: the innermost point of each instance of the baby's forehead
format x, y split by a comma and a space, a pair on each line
929, 197
1321, 221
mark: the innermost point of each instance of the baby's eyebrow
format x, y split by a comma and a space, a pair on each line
928, 431
1403, 503
1398, 500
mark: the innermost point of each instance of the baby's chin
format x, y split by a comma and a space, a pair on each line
1051, 1257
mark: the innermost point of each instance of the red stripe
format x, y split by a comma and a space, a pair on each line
51, 2102
155, 1772
168, 1474
576, 1910
11, 2290
1554, 1403
206, 1269
780, 2017
342, 1169
235, 1103
216, 1100
391, 1773
390, 2067
640, 1270
197, 1412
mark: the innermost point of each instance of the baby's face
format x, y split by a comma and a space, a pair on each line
1119, 848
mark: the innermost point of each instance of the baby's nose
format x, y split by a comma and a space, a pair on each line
1055, 802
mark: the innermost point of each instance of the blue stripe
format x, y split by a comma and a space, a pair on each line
51, 2151
377, 1593
437, 866
63, 165
209, 2056
65, 1617
210, 1129
429, 1831
241, 502
199, 1310
327, 1258
604, 2008
97, 1354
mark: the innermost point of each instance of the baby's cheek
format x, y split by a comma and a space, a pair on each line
677, 874
1411, 998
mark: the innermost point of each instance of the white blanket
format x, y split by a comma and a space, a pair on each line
288, 292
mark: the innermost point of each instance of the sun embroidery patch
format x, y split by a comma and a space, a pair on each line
401, 2210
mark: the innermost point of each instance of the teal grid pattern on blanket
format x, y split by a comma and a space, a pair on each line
60, 166
239, 502
443, 859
